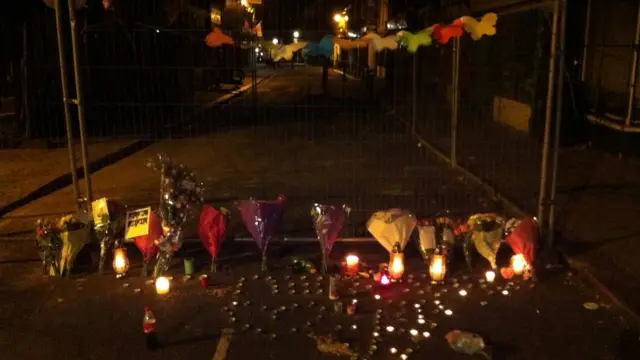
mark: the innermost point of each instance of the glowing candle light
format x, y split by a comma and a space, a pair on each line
462, 292
352, 264
490, 276
413, 332
162, 285
518, 264
437, 268
396, 263
390, 328
385, 279
120, 261
393, 350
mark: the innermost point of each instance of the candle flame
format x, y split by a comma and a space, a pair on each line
518, 264
352, 259
384, 280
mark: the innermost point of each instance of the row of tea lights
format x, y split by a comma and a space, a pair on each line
437, 270
437, 267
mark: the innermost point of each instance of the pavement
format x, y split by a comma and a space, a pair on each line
100, 317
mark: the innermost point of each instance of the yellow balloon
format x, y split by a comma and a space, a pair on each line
477, 29
413, 41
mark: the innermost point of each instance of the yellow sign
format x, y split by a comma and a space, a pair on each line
100, 212
137, 223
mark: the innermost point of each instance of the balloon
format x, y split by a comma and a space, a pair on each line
323, 48
412, 42
477, 29
261, 218
522, 236
349, 44
392, 226
217, 38
147, 243
381, 43
328, 221
486, 234
443, 33
286, 51
212, 228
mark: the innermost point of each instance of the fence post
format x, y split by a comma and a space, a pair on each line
455, 100
558, 127
633, 73
542, 196
395, 81
79, 100
65, 103
414, 93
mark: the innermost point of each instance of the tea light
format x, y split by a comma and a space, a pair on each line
421, 321
352, 264
393, 350
490, 276
376, 296
413, 332
448, 312
462, 292
162, 285
384, 279
120, 261
390, 328
404, 356
396, 265
518, 264
426, 334
437, 268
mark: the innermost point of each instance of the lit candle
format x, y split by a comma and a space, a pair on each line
162, 285
352, 264
384, 279
490, 276
437, 268
120, 261
396, 268
518, 264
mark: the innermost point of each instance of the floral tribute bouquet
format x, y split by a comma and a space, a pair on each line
179, 194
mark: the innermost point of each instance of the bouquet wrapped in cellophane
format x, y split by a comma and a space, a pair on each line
75, 234
49, 246
485, 231
108, 225
179, 194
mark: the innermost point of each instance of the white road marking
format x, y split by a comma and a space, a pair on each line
223, 345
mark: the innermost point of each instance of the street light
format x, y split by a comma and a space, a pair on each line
275, 41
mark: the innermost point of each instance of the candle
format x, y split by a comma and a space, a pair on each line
352, 264
120, 261
162, 285
518, 264
396, 266
437, 268
490, 276
384, 279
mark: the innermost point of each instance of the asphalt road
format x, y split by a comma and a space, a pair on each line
92, 317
